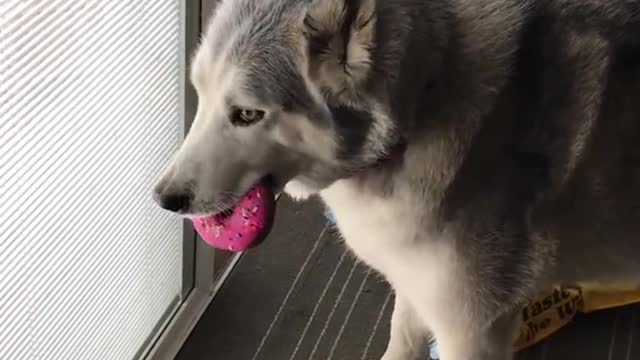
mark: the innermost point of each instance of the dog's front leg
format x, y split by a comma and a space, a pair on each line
476, 341
409, 336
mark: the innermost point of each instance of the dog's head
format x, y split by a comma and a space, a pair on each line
284, 94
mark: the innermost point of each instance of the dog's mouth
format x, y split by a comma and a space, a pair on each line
244, 225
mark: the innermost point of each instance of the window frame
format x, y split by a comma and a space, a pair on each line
201, 278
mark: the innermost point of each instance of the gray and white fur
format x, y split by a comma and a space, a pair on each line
474, 152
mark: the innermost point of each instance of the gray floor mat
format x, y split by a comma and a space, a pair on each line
302, 296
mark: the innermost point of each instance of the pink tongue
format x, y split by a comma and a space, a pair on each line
245, 227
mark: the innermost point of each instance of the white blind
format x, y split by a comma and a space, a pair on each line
91, 109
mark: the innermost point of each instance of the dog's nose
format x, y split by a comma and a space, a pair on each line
175, 202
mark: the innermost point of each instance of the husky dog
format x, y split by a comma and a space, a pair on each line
474, 152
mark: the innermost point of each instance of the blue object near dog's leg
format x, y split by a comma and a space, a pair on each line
433, 351
329, 216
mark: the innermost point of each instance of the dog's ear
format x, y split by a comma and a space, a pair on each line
342, 32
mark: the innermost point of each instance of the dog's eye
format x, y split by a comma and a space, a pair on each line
246, 117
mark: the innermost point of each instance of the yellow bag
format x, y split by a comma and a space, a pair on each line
548, 313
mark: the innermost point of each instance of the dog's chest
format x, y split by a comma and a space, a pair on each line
389, 234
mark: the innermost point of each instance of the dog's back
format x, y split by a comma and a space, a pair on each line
579, 78
587, 117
